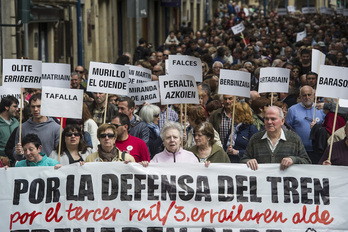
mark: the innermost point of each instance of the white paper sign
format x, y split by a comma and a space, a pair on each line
238, 28
108, 78
345, 12
166, 64
318, 58
322, 10
339, 11
343, 103
234, 83
301, 35
56, 75
60, 102
185, 65
5, 91
138, 74
177, 89
291, 9
23, 73
282, 11
309, 10
144, 92
332, 82
274, 80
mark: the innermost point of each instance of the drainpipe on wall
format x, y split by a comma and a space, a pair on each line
79, 34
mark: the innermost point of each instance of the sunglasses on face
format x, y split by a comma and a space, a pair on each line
156, 116
110, 135
79, 71
69, 134
117, 126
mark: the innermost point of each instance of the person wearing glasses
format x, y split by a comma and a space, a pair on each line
127, 143
107, 151
73, 146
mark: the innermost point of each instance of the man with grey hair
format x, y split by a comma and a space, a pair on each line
275, 145
217, 65
300, 117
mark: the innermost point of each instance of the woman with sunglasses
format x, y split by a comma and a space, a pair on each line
107, 151
73, 146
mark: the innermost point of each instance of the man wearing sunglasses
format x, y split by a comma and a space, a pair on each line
126, 142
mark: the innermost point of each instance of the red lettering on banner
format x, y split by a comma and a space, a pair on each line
313, 218
78, 213
23, 218
51, 211
142, 214
179, 211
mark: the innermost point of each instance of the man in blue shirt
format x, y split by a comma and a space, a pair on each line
300, 117
32, 151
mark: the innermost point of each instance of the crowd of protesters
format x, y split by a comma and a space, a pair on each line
206, 134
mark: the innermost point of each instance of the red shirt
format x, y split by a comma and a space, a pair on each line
135, 147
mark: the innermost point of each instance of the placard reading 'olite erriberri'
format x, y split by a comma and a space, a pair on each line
177, 89
234, 82
144, 92
60, 102
274, 80
332, 82
185, 65
21, 73
138, 74
108, 78
115, 197
56, 75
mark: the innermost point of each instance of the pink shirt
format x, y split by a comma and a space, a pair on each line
181, 156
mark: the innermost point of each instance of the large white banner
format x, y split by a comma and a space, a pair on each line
21, 73
138, 74
60, 102
318, 58
108, 78
56, 75
185, 65
234, 83
332, 82
274, 80
239, 28
177, 89
144, 92
282, 11
223, 197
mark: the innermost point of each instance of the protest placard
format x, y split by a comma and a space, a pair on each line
108, 78
282, 11
239, 28
60, 102
339, 11
291, 9
5, 91
345, 12
178, 89
332, 82
56, 75
21, 73
144, 92
309, 10
301, 35
318, 58
185, 65
235, 83
343, 103
274, 80
138, 74
113, 196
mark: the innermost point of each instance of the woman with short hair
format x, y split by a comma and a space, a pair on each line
151, 115
206, 148
107, 151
